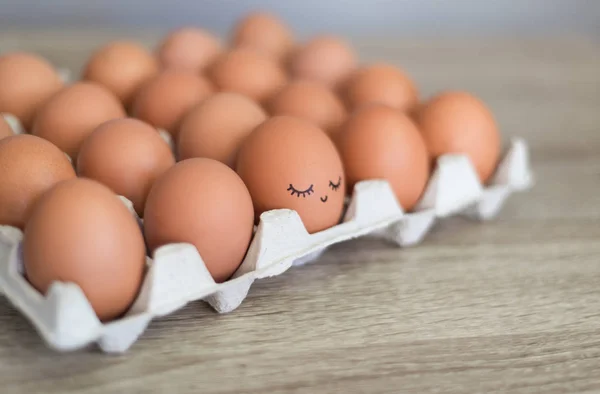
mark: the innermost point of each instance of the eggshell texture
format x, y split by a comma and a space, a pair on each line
165, 99
29, 166
290, 163
381, 83
325, 59
81, 232
73, 113
457, 122
204, 203
217, 127
122, 67
248, 72
26, 82
265, 33
127, 155
379, 142
189, 48
312, 101
5, 129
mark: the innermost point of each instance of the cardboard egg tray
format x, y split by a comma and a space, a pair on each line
177, 275
14, 123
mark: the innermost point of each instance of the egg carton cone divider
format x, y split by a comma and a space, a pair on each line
512, 175
13, 122
65, 74
177, 275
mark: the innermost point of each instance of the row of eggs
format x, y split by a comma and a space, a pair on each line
247, 140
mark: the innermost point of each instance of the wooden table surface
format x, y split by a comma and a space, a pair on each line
511, 305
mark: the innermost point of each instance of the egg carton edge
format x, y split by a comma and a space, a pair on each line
177, 275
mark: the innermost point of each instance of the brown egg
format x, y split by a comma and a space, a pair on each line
312, 101
122, 67
325, 59
248, 72
265, 33
379, 142
81, 232
290, 163
189, 48
73, 113
457, 122
5, 129
165, 99
381, 83
127, 155
205, 203
29, 166
26, 82
217, 127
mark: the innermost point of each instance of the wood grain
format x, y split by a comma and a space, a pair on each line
512, 305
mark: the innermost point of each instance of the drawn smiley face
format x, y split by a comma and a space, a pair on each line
334, 186
290, 163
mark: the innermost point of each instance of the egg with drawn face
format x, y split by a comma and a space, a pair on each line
290, 163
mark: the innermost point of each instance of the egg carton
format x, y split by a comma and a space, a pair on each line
65, 75
177, 275
13, 122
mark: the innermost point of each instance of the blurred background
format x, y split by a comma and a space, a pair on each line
517, 55
423, 17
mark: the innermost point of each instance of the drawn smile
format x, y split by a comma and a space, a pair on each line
324, 199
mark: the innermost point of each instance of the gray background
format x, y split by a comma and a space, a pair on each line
431, 17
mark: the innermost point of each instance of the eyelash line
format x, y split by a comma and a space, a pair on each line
299, 193
335, 186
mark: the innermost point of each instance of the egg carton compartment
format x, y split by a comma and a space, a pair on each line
177, 275
512, 175
166, 136
13, 122
65, 74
